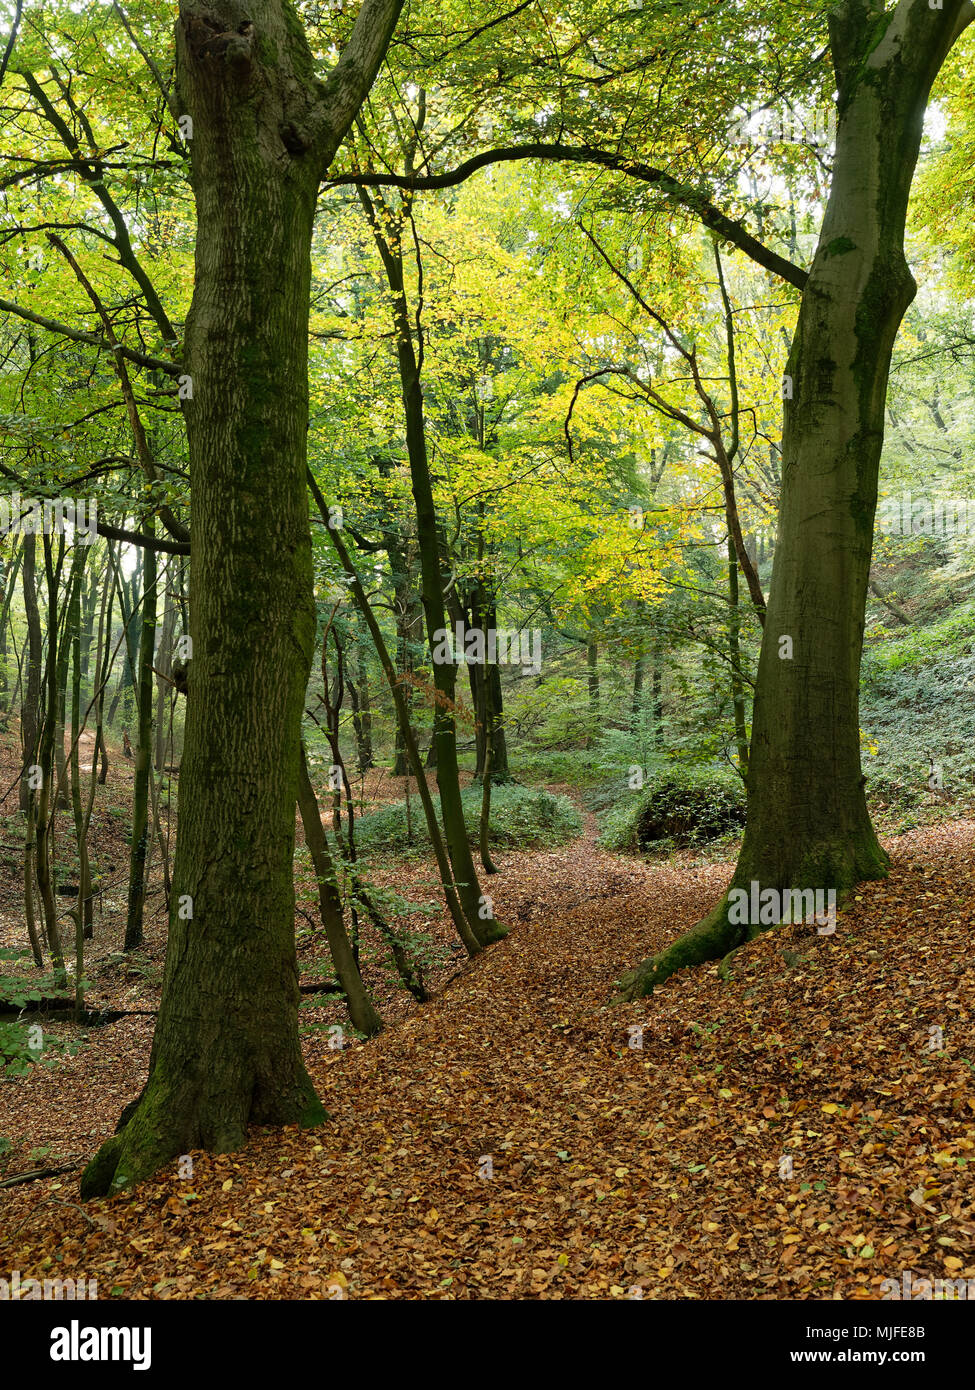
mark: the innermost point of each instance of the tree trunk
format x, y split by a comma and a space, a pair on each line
362, 1011
88, 612
808, 824
74, 635
592, 680
358, 593
636, 703
139, 844
226, 1051
734, 655
64, 652
476, 908
45, 762
658, 700
487, 693
409, 635
361, 702
30, 713
164, 667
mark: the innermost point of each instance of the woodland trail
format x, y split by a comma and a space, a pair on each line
614, 1171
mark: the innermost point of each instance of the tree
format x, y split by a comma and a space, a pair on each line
808, 825
264, 129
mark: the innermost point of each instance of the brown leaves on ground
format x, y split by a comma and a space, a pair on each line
792, 1133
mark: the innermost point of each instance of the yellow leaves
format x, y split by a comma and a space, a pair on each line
830, 1109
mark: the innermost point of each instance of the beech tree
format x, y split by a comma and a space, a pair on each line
264, 130
808, 823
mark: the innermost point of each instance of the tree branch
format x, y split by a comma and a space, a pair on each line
140, 359
694, 200
347, 85
117, 533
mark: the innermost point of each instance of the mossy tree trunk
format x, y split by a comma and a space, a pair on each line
362, 1011
808, 824
46, 808
226, 1050
437, 842
387, 228
30, 711
487, 693
139, 843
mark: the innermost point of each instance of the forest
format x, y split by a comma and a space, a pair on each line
487, 636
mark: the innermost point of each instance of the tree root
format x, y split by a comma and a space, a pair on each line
161, 1125
713, 938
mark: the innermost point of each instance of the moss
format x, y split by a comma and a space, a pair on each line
713, 938
97, 1177
314, 1113
839, 246
491, 933
302, 62
266, 51
840, 865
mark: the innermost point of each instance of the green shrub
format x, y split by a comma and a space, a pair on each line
520, 817
572, 766
21, 1038
682, 806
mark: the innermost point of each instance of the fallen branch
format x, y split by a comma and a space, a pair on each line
38, 1173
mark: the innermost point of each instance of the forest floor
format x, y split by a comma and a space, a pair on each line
792, 1132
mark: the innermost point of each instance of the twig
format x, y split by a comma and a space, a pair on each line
38, 1173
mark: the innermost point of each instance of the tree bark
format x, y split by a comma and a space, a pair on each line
226, 1051
808, 824
734, 656
475, 906
30, 712
139, 844
362, 1011
46, 809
